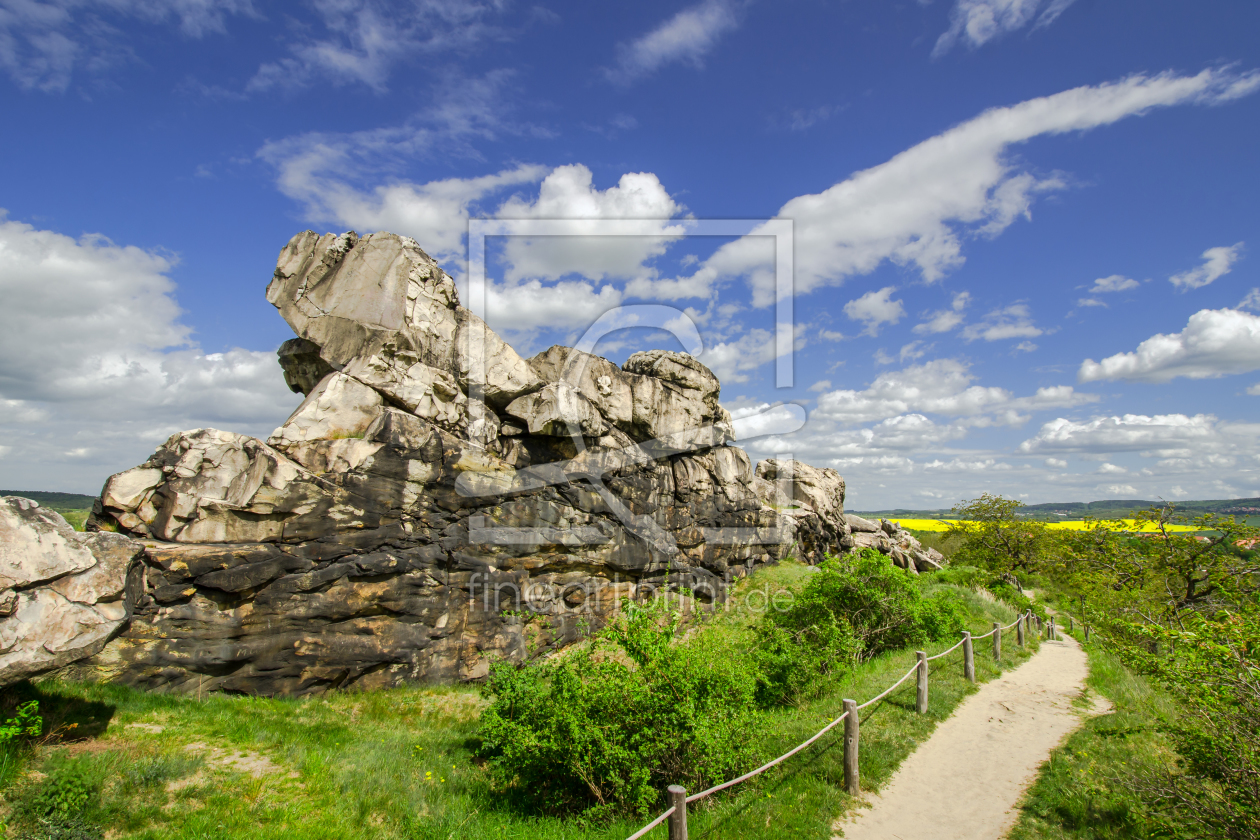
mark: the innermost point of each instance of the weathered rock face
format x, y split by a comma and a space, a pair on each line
62, 593
437, 501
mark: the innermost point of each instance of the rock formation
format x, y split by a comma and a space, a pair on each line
437, 501
62, 594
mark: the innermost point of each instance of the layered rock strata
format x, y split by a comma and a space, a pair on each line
437, 501
62, 594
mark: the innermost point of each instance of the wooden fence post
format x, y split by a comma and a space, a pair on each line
1086, 626
678, 819
1071, 624
1054, 631
997, 642
921, 698
851, 781
969, 657
1019, 630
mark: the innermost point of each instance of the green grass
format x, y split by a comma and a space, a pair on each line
400, 763
1081, 793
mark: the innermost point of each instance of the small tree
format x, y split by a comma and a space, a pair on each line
996, 538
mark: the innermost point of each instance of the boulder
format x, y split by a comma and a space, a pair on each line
63, 594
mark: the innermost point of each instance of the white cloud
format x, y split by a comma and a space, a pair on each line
913, 350
979, 21
1119, 489
362, 41
944, 320
942, 386
1007, 322
687, 37
917, 208
1025, 347
568, 193
94, 361
754, 348
1090, 302
43, 42
1217, 262
820, 385
1056, 463
1167, 435
1215, 342
1251, 301
1114, 283
1111, 469
875, 309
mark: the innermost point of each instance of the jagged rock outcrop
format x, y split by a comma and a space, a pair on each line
62, 594
437, 501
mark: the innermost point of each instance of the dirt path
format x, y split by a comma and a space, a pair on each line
966, 780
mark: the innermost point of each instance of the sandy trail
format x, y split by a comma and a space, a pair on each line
966, 780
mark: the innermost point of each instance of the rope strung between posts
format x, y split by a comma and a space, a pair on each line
1007, 627
890, 688
702, 794
653, 824
961, 642
763, 768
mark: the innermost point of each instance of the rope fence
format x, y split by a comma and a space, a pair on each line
677, 812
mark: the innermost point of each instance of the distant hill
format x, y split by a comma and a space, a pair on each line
56, 501
1248, 509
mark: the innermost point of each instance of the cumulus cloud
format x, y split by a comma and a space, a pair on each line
361, 41
1164, 434
96, 368
942, 386
1013, 321
944, 320
976, 22
1215, 342
568, 192
1217, 262
1056, 463
730, 360
917, 208
686, 38
875, 309
43, 42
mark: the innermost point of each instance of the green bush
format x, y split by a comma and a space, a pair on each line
15, 736
605, 729
60, 807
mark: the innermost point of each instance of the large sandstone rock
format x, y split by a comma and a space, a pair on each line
62, 594
436, 501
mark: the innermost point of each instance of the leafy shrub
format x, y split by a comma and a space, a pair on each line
881, 604
606, 729
15, 734
68, 791
71, 828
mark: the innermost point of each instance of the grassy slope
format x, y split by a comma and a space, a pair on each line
398, 763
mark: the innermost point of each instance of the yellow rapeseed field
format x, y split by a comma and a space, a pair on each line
1067, 525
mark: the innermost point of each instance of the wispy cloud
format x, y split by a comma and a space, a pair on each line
1217, 262
976, 22
919, 207
363, 41
685, 38
43, 42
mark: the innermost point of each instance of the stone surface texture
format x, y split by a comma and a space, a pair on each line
437, 501
63, 594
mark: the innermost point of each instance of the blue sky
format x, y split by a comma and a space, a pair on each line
1025, 230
